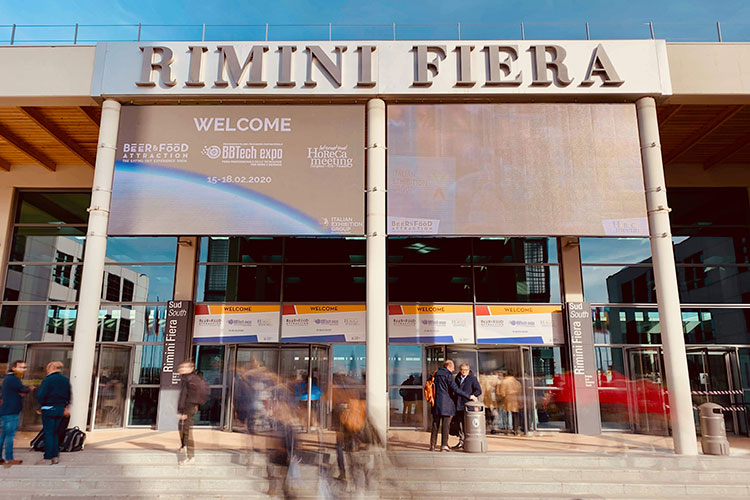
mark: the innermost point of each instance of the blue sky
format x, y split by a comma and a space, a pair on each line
694, 18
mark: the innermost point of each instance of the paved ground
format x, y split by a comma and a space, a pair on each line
609, 442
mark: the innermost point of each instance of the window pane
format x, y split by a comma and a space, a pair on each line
615, 250
613, 284
716, 326
350, 250
553, 410
147, 364
239, 283
610, 367
349, 360
209, 362
708, 206
124, 249
517, 283
150, 283
429, 284
210, 412
53, 208
429, 250
241, 249
47, 248
713, 249
404, 361
515, 250
9, 354
324, 283
143, 403
406, 407
47, 323
714, 284
547, 362
43, 283
125, 323
626, 325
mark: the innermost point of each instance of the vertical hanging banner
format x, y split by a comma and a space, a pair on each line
519, 325
324, 323
428, 323
233, 323
176, 336
580, 343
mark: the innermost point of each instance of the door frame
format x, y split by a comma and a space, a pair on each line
632, 401
731, 367
97, 375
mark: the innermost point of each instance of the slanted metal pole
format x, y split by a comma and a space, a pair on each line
665, 278
139, 31
376, 387
13, 34
84, 343
588, 32
75, 36
523, 33
329, 31
459, 31
203, 33
651, 29
718, 30
394, 31
266, 31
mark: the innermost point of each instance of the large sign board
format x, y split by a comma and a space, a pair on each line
498, 324
226, 170
580, 343
389, 68
234, 323
430, 323
176, 335
515, 169
324, 323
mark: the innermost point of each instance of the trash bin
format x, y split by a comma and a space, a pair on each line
475, 432
713, 432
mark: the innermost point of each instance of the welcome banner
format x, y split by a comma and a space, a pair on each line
428, 323
324, 323
234, 323
519, 324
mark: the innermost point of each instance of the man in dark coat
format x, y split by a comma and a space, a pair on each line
54, 397
13, 393
445, 407
468, 383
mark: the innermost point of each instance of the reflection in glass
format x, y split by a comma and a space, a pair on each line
143, 404
210, 412
515, 250
114, 364
147, 364
406, 408
138, 283
429, 250
320, 250
404, 361
342, 283
517, 284
714, 284
42, 283
429, 284
141, 249
209, 363
53, 208
713, 249
29, 248
37, 358
249, 283
241, 249
614, 284
349, 360
547, 362
615, 250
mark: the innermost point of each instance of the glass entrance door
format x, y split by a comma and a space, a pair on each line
111, 387
255, 376
647, 394
505, 390
713, 379
37, 358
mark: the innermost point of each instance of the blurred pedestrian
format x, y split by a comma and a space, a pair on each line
194, 392
12, 403
54, 397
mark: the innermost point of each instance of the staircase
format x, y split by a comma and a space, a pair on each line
155, 474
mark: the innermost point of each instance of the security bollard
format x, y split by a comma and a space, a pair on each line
475, 432
713, 431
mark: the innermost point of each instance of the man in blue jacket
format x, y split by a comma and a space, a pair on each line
469, 383
13, 393
54, 397
445, 407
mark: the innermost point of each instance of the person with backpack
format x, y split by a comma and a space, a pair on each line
194, 392
444, 407
54, 397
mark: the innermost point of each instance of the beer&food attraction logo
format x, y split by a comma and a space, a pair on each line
163, 152
325, 156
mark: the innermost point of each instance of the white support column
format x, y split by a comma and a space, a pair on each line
377, 346
84, 345
665, 276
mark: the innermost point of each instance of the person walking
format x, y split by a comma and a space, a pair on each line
194, 392
54, 397
12, 393
468, 383
445, 407
510, 392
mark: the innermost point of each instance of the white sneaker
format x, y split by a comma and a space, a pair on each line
182, 450
187, 461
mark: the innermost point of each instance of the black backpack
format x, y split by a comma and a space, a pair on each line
73, 441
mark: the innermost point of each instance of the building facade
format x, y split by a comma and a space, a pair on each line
356, 213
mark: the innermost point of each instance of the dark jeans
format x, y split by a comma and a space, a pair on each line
460, 416
186, 431
437, 420
9, 426
50, 425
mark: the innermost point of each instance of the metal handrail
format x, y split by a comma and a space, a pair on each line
73, 34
